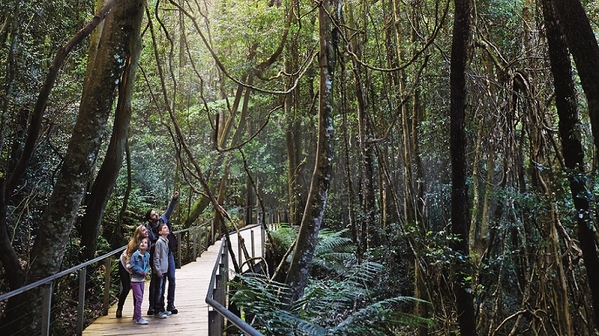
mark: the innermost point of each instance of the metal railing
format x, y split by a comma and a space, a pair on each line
193, 236
217, 292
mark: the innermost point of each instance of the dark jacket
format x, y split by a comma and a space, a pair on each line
153, 230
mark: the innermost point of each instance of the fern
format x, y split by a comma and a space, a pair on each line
339, 302
333, 253
379, 318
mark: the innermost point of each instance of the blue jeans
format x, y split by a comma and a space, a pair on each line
159, 294
152, 293
170, 276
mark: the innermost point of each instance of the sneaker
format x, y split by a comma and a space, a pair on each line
160, 315
142, 321
174, 311
119, 313
167, 313
150, 312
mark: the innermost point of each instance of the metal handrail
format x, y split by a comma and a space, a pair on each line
236, 320
58, 275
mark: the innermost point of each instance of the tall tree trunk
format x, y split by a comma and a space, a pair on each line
196, 210
116, 237
569, 128
459, 191
368, 232
301, 262
109, 171
35, 122
9, 258
293, 138
585, 51
350, 201
60, 214
235, 139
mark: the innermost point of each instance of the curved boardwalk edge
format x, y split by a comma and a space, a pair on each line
192, 282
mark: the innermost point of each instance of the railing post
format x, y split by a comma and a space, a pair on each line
213, 316
179, 261
216, 320
224, 278
196, 232
81, 305
204, 243
108, 268
262, 239
239, 254
46, 307
252, 243
201, 239
218, 297
213, 232
225, 265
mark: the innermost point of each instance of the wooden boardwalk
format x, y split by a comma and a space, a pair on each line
192, 282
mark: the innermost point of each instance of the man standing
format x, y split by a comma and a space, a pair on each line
153, 221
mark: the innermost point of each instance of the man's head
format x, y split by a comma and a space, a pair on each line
152, 216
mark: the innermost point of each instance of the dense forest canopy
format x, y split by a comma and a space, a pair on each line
444, 151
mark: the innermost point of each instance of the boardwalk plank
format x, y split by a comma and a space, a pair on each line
193, 280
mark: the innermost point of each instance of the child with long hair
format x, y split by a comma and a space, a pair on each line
124, 267
140, 268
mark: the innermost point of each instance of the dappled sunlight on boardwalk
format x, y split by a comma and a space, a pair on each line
193, 280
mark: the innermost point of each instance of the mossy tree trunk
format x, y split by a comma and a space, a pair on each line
63, 206
301, 262
106, 179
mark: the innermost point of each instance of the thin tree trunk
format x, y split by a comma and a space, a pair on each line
368, 235
293, 138
349, 184
234, 141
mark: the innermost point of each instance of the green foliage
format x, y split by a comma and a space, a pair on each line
508, 13
284, 236
335, 306
341, 298
348, 295
256, 26
333, 253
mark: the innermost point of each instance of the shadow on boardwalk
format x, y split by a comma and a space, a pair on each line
192, 282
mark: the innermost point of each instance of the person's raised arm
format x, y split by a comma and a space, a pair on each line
171, 207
